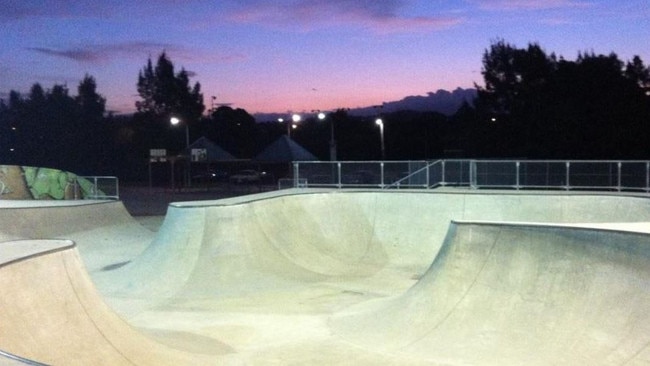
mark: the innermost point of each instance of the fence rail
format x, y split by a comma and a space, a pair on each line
97, 187
610, 175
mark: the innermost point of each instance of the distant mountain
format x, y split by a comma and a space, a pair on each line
441, 101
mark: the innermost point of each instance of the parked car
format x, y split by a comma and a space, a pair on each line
210, 176
247, 176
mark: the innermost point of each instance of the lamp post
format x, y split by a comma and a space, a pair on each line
295, 118
379, 122
176, 121
322, 116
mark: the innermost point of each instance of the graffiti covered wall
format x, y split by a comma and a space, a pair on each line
26, 182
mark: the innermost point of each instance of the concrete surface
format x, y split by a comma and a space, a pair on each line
52, 313
347, 277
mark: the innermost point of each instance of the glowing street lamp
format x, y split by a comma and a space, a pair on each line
175, 121
379, 122
322, 116
295, 118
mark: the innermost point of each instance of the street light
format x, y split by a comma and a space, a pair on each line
295, 118
322, 116
175, 121
379, 122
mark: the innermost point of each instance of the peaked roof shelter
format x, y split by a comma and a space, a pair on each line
214, 151
284, 150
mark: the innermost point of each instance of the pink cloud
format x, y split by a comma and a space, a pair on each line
378, 16
529, 4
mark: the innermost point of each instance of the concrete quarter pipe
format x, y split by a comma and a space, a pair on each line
344, 277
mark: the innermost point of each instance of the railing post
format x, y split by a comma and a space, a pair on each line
381, 174
568, 168
472, 174
427, 174
443, 173
647, 176
618, 180
517, 180
296, 171
338, 174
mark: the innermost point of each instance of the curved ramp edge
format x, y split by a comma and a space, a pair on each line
374, 242
519, 294
53, 314
104, 231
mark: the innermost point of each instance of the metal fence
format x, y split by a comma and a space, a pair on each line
97, 187
361, 173
613, 175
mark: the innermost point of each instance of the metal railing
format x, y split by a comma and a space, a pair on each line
610, 175
97, 188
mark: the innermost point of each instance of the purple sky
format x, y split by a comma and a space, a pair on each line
298, 55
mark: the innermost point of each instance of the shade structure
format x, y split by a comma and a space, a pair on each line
284, 150
213, 151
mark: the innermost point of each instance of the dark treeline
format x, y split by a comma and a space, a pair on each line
51, 128
537, 105
533, 105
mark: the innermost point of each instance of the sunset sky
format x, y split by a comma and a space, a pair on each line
298, 55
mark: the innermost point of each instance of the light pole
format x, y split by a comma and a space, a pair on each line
379, 122
322, 116
295, 118
175, 121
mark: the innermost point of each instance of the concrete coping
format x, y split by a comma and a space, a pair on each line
232, 201
18, 250
48, 203
621, 227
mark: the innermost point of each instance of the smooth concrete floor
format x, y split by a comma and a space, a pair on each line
301, 277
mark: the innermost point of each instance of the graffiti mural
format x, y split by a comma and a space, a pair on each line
26, 182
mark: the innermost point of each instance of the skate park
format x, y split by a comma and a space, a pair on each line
453, 275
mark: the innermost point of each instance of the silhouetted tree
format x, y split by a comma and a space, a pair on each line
513, 96
92, 142
164, 94
637, 72
538, 107
53, 129
234, 129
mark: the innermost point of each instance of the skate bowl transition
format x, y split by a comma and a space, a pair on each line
330, 277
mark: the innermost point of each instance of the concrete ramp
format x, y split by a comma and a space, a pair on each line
51, 313
519, 295
105, 233
343, 277
377, 243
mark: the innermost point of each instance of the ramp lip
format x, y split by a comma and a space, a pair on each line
239, 200
603, 227
50, 246
26, 361
19, 204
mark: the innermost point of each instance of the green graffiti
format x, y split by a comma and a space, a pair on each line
45, 183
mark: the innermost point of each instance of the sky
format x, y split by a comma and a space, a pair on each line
298, 55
